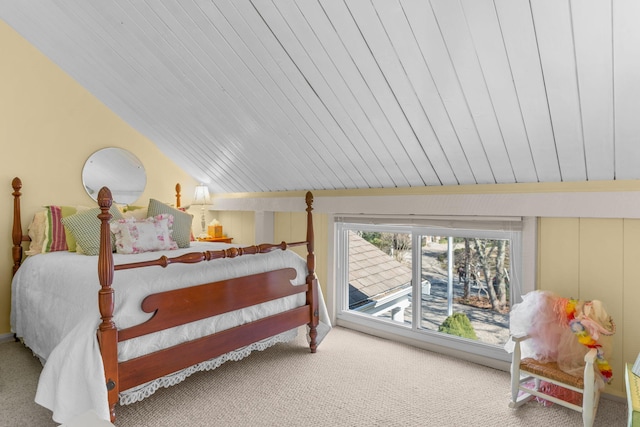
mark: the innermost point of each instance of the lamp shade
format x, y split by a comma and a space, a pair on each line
201, 196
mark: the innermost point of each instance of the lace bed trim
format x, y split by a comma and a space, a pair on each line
143, 391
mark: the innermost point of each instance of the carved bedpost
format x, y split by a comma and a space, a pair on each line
312, 281
178, 189
16, 232
107, 332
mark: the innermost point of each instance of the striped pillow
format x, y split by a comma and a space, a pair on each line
56, 237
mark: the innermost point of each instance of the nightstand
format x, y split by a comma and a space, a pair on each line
223, 239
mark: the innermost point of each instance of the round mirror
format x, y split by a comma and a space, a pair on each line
117, 169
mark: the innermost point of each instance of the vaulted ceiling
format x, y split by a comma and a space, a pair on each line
268, 95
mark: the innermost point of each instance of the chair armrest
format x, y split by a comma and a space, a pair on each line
513, 346
519, 337
591, 355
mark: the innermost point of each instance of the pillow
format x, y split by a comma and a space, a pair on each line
56, 237
46, 230
68, 211
85, 228
181, 221
127, 208
192, 238
36, 233
146, 235
137, 213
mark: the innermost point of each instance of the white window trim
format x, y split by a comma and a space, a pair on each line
466, 349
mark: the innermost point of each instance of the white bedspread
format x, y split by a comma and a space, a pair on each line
63, 331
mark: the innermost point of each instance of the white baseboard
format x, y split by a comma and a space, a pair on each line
6, 338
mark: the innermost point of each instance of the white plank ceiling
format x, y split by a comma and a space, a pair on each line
268, 95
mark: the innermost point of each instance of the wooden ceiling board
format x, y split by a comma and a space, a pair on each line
457, 38
202, 121
487, 39
626, 59
323, 47
438, 61
516, 24
258, 100
321, 89
403, 38
276, 89
594, 59
367, 20
260, 122
324, 143
179, 107
360, 100
552, 20
388, 116
269, 136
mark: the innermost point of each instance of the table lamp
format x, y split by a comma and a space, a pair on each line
203, 199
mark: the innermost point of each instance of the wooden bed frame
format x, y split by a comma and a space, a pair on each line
185, 305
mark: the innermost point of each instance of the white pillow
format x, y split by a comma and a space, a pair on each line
135, 236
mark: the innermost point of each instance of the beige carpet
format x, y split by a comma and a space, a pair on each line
353, 380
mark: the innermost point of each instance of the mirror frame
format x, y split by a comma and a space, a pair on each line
119, 170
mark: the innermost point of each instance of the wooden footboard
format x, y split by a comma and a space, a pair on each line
185, 305
149, 367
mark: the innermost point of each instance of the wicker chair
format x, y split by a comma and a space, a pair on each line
523, 371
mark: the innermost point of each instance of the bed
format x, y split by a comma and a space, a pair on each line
160, 316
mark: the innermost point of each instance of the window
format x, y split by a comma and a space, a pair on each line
448, 282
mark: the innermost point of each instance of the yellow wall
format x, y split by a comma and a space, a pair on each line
292, 226
49, 126
596, 259
237, 224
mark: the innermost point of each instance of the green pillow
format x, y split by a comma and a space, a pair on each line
181, 221
85, 228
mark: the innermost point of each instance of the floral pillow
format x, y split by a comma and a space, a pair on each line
134, 236
182, 221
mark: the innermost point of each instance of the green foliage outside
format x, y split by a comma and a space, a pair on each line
394, 244
458, 324
373, 237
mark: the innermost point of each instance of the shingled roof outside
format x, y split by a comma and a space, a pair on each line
373, 274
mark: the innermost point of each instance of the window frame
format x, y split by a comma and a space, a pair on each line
494, 227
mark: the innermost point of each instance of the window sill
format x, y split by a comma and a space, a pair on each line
488, 355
